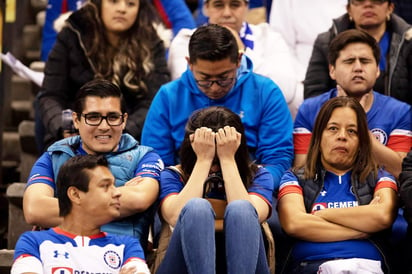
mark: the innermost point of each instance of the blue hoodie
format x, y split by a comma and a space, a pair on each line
255, 98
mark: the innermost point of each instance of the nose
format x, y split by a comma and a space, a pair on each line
227, 11
214, 87
104, 124
116, 192
342, 134
357, 65
121, 6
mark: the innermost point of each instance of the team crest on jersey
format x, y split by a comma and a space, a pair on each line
62, 270
380, 135
112, 259
318, 206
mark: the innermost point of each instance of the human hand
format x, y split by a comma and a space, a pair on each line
364, 100
341, 91
203, 143
227, 142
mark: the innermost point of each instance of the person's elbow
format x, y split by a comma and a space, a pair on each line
386, 219
32, 215
292, 227
383, 219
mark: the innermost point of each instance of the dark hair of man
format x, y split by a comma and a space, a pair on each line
364, 163
214, 118
351, 36
213, 43
98, 88
132, 61
76, 172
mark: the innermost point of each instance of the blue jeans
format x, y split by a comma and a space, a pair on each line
192, 246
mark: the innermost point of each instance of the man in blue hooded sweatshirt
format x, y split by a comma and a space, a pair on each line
219, 75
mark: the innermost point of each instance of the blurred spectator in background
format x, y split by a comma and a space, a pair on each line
175, 15
403, 8
300, 21
55, 8
261, 5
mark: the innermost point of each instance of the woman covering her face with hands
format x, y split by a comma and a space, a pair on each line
215, 163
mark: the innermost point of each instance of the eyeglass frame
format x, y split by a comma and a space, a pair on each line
359, 2
218, 82
121, 116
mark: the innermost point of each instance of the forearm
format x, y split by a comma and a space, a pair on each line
234, 188
138, 196
173, 205
386, 157
366, 218
43, 211
313, 228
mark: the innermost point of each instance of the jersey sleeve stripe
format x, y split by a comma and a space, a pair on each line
301, 142
289, 189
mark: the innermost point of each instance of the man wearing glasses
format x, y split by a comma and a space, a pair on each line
99, 116
219, 75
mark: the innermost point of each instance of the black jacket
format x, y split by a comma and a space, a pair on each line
396, 81
405, 180
364, 195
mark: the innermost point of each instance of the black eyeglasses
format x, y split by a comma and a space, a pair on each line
95, 119
359, 2
222, 82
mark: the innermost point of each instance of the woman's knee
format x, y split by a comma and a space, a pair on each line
241, 208
198, 207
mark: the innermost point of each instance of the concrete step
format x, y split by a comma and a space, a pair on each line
10, 161
17, 223
29, 153
21, 89
32, 37
40, 18
6, 260
21, 105
38, 4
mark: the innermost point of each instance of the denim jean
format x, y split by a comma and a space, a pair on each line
245, 249
192, 245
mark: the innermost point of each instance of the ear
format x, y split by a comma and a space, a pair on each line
391, 8
239, 58
76, 120
188, 62
205, 8
332, 72
125, 116
378, 73
74, 195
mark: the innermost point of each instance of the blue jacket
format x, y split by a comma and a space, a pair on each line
255, 98
122, 163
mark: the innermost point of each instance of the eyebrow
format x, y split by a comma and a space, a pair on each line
338, 124
214, 75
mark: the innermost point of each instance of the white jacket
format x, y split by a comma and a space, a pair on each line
300, 22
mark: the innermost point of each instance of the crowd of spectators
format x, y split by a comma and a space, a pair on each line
299, 118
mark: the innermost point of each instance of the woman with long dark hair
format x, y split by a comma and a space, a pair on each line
335, 206
215, 165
